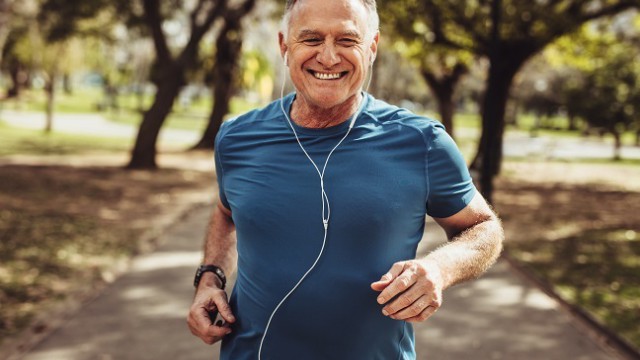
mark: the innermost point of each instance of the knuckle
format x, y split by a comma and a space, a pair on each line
404, 300
415, 310
225, 307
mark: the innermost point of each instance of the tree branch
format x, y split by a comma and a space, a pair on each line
435, 18
610, 10
153, 18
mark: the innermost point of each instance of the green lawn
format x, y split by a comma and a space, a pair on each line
36, 142
597, 270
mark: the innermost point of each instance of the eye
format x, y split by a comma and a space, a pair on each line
312, 41
347, 42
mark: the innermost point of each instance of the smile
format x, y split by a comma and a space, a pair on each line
327, 76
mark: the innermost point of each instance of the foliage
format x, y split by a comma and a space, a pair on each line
608, 78
508, 33
593, 74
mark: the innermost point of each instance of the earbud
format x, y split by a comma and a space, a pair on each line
286, 59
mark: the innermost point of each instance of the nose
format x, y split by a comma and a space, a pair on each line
328, 56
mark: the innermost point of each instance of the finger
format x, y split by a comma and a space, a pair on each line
201, 326
412, 310
223, 307
215, 333
404, 300
398, 286
199, 319
424, 315
387, 278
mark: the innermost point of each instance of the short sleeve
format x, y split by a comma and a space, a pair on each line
220, 167
450, 185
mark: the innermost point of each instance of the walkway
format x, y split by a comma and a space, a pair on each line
142, 315
516, 143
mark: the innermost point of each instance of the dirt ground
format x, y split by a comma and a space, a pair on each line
555, 200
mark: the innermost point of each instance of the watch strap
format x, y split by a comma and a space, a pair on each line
210, 268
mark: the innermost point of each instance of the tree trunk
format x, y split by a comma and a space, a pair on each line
5, 28
617, 145
443, 88
17, 79
446, 108
228, 49
489, 155
143, 155
50, 89
67, 86
573, 122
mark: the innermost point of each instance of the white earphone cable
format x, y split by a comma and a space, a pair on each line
326, 207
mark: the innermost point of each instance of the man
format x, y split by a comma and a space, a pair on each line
327, 190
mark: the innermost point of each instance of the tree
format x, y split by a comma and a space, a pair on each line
507, 33
228, 50
606, 89
6, 9
171, 71
441, 67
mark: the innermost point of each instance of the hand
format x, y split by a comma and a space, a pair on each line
411, 290
209, 298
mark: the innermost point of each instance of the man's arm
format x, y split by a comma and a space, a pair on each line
412, 290
219, 250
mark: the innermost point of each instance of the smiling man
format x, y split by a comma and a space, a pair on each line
323, 198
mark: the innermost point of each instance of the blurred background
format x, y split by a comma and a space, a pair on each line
109, 110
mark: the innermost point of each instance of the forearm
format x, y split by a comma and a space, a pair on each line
220, 244
468, 254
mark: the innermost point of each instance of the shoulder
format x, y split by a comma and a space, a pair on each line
394, 117
253, 119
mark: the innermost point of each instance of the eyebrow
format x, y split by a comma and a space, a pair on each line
348, 33
308, 32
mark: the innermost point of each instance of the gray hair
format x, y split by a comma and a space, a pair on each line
370, 5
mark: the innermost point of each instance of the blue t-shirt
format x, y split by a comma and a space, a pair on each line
392, 169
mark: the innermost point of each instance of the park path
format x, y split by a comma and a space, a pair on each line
516, 143
142, 315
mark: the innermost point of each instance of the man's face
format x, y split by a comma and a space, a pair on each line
329, 49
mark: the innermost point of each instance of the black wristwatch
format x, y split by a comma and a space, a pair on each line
210, 268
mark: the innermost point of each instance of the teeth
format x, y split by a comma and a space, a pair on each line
324, 76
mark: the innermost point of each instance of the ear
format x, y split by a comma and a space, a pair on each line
374, 47
283, 47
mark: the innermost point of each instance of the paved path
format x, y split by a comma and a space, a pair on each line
516, 143
142, 315
92, 124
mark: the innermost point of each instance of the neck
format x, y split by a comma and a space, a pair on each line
316, 117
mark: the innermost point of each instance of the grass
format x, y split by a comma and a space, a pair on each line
193, 118
91, 100
36, 142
